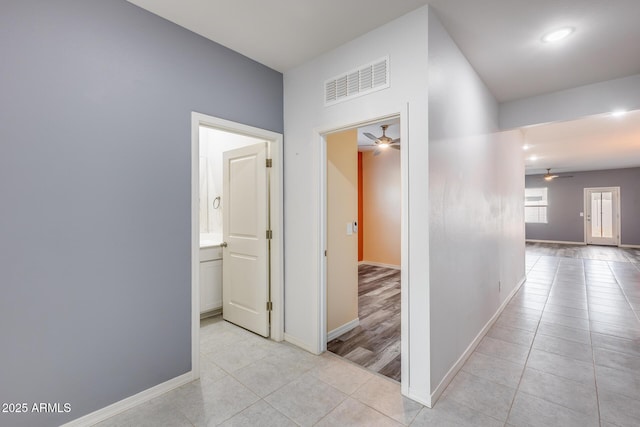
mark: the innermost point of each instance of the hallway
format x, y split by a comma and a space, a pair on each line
565, 352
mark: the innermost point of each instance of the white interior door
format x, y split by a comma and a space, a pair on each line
602, 216
245, 271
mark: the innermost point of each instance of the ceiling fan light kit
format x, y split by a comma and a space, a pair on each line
383, 142
550, 177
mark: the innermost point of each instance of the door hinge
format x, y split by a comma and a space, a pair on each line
269, 163
269, 306
269, 234
325, 253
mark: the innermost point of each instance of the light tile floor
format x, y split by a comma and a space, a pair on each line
565, 352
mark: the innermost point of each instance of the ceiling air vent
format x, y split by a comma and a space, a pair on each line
361, 81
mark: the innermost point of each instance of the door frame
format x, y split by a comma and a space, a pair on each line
587, 208
322, 133
277, 225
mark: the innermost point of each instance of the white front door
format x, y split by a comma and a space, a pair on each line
601, 220
245, 271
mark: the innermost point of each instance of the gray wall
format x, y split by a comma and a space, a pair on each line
95, 277
476, 232
566, 201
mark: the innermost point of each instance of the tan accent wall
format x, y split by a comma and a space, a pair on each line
342, 249
382, 207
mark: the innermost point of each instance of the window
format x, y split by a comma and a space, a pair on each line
535, 205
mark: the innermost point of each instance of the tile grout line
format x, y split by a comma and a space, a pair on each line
535, 333
547, 373
626, 297
593, 355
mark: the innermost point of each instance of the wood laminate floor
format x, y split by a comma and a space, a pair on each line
375, 343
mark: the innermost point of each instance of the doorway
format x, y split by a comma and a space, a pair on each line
243, 146
363, 273
602, 216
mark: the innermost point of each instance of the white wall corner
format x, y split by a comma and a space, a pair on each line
420, 397
404, 40
300, 343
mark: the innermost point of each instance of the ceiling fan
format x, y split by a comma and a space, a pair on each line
550, 177
383, 141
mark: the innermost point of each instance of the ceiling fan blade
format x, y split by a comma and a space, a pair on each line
376, 152
395, 147
368, 135
396, 141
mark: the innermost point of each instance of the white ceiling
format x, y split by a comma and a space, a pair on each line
592, 143
280, 34
500, 38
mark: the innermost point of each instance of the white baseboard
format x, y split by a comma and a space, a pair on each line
560, 242
379, 264
428, 402
343, 329
463, 358
128, 403
298, 343
211, 313
629, 246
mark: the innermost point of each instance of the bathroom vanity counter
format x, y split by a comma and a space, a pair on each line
210, 274
208, 240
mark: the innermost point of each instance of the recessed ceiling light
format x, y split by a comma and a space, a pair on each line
533, 158
525, 147
618, 113
557, 35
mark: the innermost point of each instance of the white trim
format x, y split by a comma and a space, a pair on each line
298, 343
343, 329
211, 313
418, 398
195, 243
560, 242
435, 395
321, 302
277, 226
379, 264
277, 241
629, 246
405, 285
131, 401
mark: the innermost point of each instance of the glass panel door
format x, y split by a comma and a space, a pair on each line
602, 216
